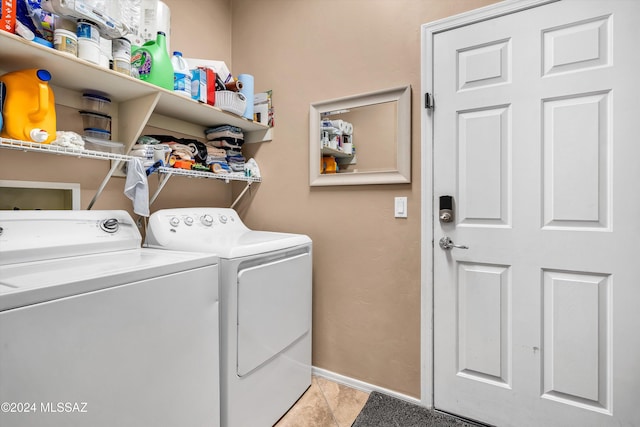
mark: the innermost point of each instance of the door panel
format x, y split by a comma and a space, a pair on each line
531, 322
484, 320
484, 166
576, 323
576, 194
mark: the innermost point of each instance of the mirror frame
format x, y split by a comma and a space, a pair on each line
400, 175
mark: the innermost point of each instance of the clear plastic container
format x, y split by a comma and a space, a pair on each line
96, 103
91, 120
101, 134
102, 145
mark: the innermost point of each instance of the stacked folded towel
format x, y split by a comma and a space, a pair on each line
215, 152
236, 162
143, 151
217, 159
233, 134
180, 151
221, 152
230, 139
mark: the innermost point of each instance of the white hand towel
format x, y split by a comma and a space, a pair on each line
136, 187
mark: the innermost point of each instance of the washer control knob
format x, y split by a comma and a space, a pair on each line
188, 220
223, 219
109, 225
174, 221
207, 220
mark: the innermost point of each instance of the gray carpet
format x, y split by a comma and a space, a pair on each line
382, 411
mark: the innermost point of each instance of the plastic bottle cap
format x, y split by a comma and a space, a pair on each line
39, 135
177, 53
43, 75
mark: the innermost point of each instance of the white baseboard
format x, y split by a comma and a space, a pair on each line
362, 386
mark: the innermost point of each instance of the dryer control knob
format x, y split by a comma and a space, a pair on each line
174, 221
207, 220
223, 219
188, 220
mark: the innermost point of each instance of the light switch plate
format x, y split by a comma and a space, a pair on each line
400, 207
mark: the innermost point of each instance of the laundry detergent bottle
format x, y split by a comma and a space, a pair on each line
29, 109
181, 75
152, 63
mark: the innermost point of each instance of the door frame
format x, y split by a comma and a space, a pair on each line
427, 33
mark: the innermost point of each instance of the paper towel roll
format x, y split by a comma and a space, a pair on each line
338, 124
247, 91
348, 128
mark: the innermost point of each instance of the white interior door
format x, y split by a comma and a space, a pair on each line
534, 136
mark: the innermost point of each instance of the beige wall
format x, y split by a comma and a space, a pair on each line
366, 309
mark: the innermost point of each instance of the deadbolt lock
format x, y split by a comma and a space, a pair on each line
446, 216
446, 209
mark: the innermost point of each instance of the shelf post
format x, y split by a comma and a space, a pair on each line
163, 180
240, 195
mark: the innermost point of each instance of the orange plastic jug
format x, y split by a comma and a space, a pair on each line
29, 110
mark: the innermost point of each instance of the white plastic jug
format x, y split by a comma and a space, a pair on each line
181, 75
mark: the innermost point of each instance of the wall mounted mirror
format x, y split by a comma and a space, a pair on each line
361, 139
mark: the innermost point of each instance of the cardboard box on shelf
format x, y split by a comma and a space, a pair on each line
211, 85
199, 85
219, 67
8, 15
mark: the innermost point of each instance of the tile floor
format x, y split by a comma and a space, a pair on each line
325, 404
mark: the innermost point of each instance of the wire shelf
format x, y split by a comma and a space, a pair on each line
167, 173
211, 175
57, 149
101, 155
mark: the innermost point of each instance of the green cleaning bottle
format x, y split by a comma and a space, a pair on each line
152, 62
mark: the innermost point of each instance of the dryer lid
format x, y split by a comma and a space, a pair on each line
214, 230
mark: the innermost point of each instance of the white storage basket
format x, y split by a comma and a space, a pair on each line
231, 101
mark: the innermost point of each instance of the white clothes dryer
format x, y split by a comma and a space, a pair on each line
265, 308
97, 331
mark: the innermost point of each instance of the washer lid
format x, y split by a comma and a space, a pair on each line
38, 281
39, 235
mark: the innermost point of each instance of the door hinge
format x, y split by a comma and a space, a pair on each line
428, 101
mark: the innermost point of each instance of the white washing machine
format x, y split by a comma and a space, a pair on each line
265, 308
97, 331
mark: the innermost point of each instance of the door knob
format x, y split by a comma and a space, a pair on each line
447, 244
